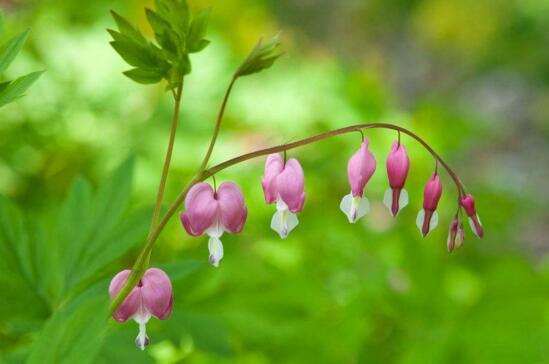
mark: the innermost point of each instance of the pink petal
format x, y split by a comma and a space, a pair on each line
432, 193
290, 185
398, 164
201, 209
231, 206
131, 304
468, 203
360, 169
273, 167
156, 290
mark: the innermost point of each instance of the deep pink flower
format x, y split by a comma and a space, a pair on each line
427, 218
283, 183
214, 212
398, 164
360, 168
468, 203
151, 297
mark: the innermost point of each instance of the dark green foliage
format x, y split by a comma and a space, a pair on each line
12, 90
176, 37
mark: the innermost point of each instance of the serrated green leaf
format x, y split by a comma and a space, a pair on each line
16, 89
176, 13
145, 77
135, 54
261, 57
74, 334
123, 237
9, 50
103, 215
20, 277
127, 29
197, 31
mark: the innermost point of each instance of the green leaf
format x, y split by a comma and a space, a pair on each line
176, 13
9, 50
74, 334
127, 29
16, 89
145, 77
125, 235
165, 36
197, 31
137, 55
20, 276
99, 218
261, 57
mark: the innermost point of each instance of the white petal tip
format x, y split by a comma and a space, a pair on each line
354, 207
283, 222
421, 224
216, 251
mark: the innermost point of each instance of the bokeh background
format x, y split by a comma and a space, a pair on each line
470, 76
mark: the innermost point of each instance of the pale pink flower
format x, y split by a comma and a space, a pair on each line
283, 183
151, 297
360, 168
214, 212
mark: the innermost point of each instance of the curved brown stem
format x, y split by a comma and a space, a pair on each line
330, 134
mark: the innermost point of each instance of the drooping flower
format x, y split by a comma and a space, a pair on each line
151, 297
283, 183
455, 235
398, 164
360, 168
214, 212
427, 218
468, 203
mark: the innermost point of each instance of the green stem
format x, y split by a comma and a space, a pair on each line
144, 256
168, 158
217, 127
141, 262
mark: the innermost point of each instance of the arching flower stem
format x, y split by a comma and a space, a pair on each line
141, 262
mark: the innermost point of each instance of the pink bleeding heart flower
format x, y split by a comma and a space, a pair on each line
468, 203
455, 235
151, 297
214, 212
427, 218
398, 164
360, 168
283, 183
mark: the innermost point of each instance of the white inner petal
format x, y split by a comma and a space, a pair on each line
388, 199
283, 222
142, 339
216, 230
434, 221
473, 227
421, 217
402, 199
354, 207
459, 238
216, 251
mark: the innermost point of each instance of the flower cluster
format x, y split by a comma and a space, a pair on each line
213, 212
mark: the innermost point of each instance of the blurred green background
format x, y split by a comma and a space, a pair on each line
470, 76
